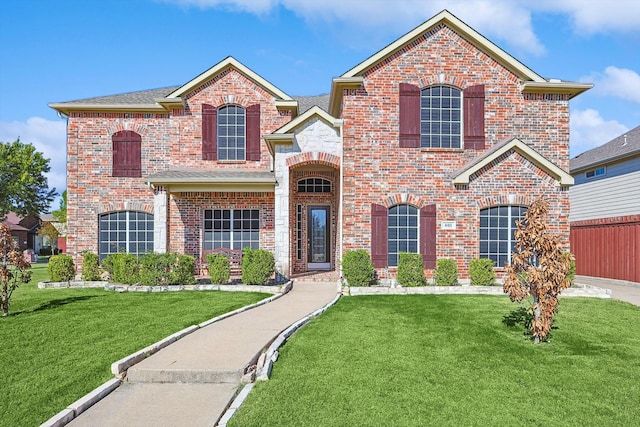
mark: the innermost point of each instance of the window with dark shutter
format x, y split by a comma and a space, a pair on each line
474, 117
126, 151
209, 136
253, 132
379, 223
428, 236
231, 132
409, 116
440, 117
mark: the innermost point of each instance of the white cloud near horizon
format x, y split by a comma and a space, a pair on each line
50, 139
621, 83
494, 18
589, 130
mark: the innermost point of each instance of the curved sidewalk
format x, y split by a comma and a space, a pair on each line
620, 289
192, 381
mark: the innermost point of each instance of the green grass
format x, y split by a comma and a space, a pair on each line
58, 344
449, 360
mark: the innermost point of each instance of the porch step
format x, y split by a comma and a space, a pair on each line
317, 276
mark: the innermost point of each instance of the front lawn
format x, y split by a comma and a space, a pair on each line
58, 344
416, 360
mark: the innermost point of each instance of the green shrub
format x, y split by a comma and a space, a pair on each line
219, 268
155, 269
90, 269
258, 266
481, 272
446, 273
411, 270
571, 274
45, 251
357, 268
107, 263
184, 270
61, 268
125, 268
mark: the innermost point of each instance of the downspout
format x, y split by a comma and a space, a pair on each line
341, 199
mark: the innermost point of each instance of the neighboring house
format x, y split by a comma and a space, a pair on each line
24, 229
61, 227
605, 209
435, 144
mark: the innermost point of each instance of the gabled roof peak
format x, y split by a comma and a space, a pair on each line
226, 63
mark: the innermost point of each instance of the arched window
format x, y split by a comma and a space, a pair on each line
497, 227
314, 185
440, 117
231, 132
125, 231
402, 231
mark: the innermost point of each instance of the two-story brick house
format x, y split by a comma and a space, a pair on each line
435, 144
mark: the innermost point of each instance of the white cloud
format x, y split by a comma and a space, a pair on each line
506, 20
622, 83
590, 130
596, 16
49, 138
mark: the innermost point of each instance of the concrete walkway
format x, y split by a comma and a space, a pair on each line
192, 381
620, 290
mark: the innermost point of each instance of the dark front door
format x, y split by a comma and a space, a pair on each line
318, 238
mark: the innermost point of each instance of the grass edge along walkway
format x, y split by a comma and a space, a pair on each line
450, 360
59, 344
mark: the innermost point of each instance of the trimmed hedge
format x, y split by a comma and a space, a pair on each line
481, 272
446, 273
184, 269
411, 270
90, 268
155, 269
357, 268
61, 268
219, 268
125, 268
258, 266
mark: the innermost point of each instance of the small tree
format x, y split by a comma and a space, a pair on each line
538, 268
14, 269
23, 184
50, 232
60, 214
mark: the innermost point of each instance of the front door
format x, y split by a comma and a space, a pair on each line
318, 243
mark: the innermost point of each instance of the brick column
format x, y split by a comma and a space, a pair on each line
160, 220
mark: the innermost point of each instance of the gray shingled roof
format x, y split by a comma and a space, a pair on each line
306, 102
149, 96
130, 98
211, 176
625, 145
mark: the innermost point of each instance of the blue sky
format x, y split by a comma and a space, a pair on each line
53, 51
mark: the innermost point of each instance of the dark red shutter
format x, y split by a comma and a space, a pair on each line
428, 235
379, 236
474, 117
127, 158
209, 132
409, 116
253, 132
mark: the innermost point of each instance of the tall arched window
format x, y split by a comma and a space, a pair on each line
125, 231
497, 227
440, 117
231, 133
402, 231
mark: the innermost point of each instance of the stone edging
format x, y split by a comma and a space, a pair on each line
119, 368
579, 291
169, 288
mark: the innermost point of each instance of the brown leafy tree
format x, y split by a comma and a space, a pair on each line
538, 268
14, 269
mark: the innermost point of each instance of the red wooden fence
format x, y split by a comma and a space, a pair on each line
608, 247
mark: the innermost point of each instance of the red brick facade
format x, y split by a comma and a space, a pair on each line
375, 168
369, 166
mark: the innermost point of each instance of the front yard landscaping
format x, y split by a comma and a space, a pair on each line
58, 344
416, 360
